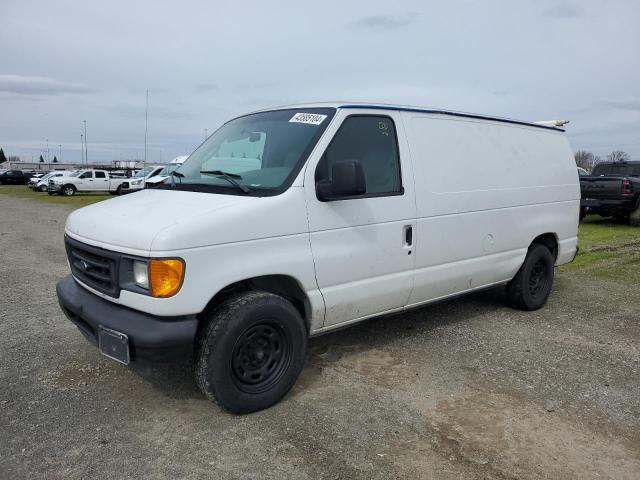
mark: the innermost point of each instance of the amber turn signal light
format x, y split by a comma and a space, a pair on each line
165, 276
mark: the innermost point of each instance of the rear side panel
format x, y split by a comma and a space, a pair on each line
485, 190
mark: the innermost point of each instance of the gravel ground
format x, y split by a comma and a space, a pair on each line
466, 389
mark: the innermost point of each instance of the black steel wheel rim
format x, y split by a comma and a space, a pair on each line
261, 355
539, 278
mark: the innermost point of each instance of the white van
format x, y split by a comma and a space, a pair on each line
293, 222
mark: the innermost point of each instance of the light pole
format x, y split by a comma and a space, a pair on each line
81, 150
60, 146
86, 149
47, 149
146, 124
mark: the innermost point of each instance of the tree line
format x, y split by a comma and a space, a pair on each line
15, 158
587, 160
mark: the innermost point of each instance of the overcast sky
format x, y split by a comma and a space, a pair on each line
62, 62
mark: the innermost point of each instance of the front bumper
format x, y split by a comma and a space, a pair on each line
150, 338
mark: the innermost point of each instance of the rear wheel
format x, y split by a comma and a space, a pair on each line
43, 188
251, 352
530, 288
634, 217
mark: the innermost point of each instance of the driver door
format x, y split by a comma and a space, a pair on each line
363, 246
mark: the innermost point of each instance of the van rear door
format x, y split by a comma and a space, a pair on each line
363, 245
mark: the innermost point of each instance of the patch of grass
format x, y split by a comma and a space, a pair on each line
607, 245
597, 231
78, 200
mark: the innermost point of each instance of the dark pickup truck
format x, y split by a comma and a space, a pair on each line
15, 177
612, 190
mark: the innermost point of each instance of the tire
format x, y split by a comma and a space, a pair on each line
119, 190
251, 352
43, 188
530, 288
68, 190
634, 217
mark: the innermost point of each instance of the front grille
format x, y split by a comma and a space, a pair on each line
95, 267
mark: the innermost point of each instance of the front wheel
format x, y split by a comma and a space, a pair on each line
251, 352
68, 190
43, 188
530, 288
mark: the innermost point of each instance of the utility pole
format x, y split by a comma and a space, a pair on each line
81, 150
146, 124
47, 140
60, 146
86, 149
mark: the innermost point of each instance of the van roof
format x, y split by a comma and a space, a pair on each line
411, 108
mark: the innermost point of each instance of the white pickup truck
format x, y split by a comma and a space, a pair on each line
88, 180
137, 181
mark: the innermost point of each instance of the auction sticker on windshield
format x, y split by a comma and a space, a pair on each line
310, 118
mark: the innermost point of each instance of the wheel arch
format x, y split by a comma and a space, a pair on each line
549, 240
285, 286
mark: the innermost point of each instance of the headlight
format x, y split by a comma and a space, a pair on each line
165, 276
136, 182
140, 274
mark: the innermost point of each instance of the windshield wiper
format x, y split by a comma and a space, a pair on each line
229, 177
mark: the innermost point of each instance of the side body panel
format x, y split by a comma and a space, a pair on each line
485, 190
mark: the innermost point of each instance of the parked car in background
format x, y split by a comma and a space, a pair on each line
138, 180
14, 177
296, 221
42, 184
164, 174
612, 190
582, 172
33, 179
86, 181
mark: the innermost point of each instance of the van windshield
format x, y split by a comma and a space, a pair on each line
258, 154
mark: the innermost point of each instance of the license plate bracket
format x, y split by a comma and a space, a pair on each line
114, 344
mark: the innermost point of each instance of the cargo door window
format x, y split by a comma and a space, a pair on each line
371, 139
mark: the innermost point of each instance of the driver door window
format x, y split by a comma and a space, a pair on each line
371, 140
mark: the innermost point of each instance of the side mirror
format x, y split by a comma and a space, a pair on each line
347, 180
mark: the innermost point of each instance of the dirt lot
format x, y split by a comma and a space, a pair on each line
467, 389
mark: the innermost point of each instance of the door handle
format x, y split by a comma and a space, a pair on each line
408, 235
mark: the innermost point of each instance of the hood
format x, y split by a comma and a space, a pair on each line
130, 223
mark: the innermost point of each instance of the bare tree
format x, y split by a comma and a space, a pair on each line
584, 159
618, 156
